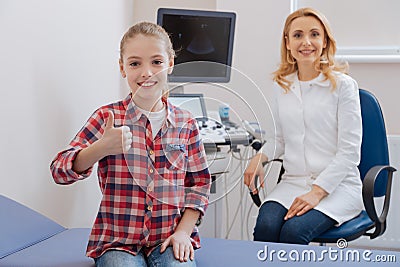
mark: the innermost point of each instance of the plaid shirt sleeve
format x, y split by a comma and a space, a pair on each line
61, 166
198, 180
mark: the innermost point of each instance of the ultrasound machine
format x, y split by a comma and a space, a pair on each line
212, 130
203, 41
214, 133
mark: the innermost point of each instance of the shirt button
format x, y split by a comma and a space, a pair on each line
151, 152
147, 244
151, 170
149, 189
150, 208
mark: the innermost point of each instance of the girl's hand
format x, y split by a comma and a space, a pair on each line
306, 202
255, 168
115, 140
181, 245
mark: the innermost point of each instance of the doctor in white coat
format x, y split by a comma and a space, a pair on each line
317, 114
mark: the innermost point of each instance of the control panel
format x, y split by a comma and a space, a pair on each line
213, 132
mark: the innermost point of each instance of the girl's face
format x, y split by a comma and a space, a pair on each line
145, 64
306, 40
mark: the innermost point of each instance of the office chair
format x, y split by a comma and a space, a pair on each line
376, 174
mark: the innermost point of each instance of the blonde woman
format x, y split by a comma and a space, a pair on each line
318, 133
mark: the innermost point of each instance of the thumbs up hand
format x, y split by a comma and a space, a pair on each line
116, 140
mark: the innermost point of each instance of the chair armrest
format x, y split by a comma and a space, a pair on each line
368, 198
255, 196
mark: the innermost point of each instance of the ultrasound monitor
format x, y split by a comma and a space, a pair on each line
191, 102
203, 41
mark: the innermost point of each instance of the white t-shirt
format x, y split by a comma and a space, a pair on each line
156, 119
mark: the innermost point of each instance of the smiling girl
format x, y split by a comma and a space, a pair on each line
152, 168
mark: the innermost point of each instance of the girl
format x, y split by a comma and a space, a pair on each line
152, 167
318, 133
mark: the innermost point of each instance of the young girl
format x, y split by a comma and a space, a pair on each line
318, 133
152, 168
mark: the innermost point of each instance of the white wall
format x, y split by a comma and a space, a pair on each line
59, 61
145, 10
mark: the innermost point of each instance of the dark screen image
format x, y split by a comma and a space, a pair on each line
199, 38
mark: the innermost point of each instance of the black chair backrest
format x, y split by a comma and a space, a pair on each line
374, 148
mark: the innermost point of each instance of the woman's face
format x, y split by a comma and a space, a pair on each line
306, 40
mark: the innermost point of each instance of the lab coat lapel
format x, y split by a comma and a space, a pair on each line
295, 88
296, 128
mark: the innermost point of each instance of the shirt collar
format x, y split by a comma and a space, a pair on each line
133, 113
171, 116
320, 80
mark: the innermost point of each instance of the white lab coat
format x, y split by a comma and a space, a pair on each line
318, 133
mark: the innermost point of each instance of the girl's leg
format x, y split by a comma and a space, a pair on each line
117, 258
269, 222
303, 229
167, 259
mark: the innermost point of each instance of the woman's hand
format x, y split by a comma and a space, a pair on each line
254, 168
181, 245
306, 202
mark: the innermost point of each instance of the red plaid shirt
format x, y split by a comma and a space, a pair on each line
145, 190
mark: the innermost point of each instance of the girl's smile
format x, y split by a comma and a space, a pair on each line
147, 84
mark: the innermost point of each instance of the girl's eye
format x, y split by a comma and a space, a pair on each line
157, 62
134, 64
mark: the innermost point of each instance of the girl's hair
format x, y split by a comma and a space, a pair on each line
148, 29
326, 64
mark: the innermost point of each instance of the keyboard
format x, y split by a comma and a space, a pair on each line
237, 135
212, 136
215, 133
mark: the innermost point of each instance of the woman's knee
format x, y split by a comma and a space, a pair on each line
269, 222
303, 229
293, 233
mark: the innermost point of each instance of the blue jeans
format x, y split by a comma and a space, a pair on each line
117, 258
271, 226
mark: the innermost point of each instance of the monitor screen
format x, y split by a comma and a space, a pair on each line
203, 41
191, 102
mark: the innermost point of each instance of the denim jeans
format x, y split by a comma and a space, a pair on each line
117, 258
271, 226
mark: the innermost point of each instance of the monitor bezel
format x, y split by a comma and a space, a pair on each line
203, 13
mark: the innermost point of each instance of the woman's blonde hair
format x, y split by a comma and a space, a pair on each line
326, 64
148, 29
